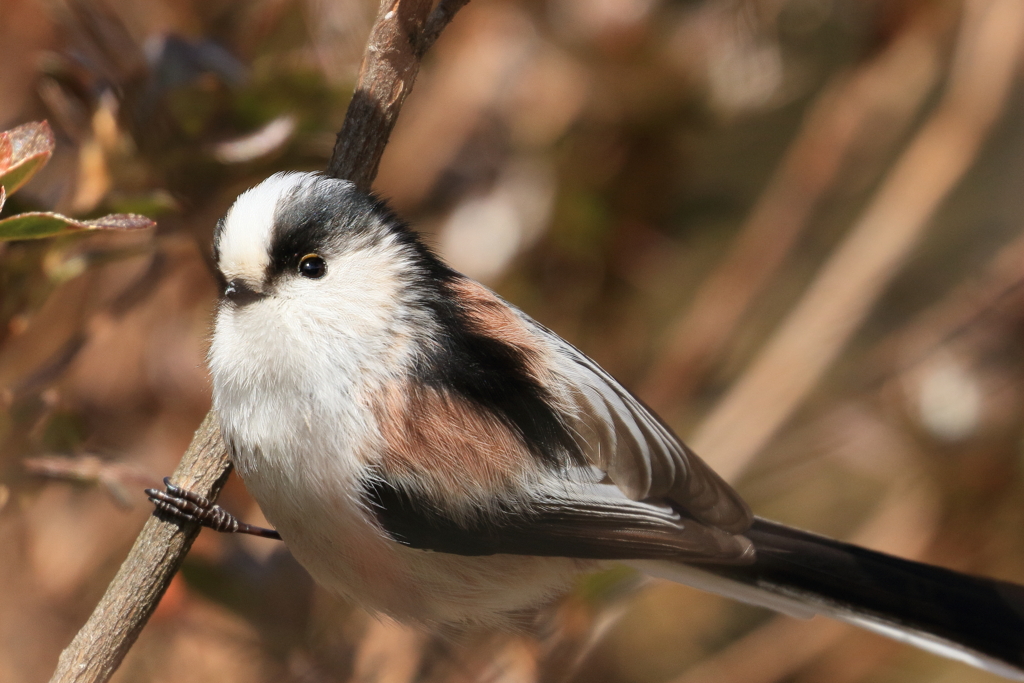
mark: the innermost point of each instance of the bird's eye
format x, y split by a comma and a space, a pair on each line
312, 266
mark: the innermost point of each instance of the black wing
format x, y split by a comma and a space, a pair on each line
603, 525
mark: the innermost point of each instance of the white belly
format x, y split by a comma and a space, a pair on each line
309, 488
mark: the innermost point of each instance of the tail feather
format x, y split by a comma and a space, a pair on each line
976, 620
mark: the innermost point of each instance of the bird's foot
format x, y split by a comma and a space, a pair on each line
182, 504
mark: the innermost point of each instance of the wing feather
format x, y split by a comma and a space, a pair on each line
616, 432
639, 452
585, 521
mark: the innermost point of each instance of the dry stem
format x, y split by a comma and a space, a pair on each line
890, 87
856, 275
131, 597
404, 31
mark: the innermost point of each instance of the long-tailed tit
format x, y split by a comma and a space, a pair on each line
430, 452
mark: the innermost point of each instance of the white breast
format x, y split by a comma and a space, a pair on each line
302, 437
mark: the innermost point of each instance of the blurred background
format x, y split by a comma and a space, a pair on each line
793, 227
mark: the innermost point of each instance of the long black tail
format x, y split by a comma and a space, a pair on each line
977, 620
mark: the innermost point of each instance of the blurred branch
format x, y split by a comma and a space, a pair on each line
438, 19
904, 523
582, 626
390, 64
116, 477
771, 652
467, 85
857, 273
779, 649
389, 652
845, 117
996, 294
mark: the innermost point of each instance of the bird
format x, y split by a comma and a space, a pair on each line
431, 453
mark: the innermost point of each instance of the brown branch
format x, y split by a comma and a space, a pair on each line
849, 284
131, 597
405, 29
904, 523
842, 121
400, 36
438, 19
117, 478
996, 294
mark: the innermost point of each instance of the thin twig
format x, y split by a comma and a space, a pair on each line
904, 523
996, 294
390, 64
116, 477
159, 550
857, 273
891, 87
404, 31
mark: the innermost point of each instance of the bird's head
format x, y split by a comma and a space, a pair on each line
307, 236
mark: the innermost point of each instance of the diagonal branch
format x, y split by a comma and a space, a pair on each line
856, 274
99, 647
402, 33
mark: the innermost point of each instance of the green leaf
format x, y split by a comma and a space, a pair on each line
37, 224
23, 151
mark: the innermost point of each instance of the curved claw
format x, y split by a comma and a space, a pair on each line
192, 507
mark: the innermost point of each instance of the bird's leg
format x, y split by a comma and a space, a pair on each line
177, 502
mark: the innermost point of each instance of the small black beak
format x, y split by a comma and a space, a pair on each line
240, 293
